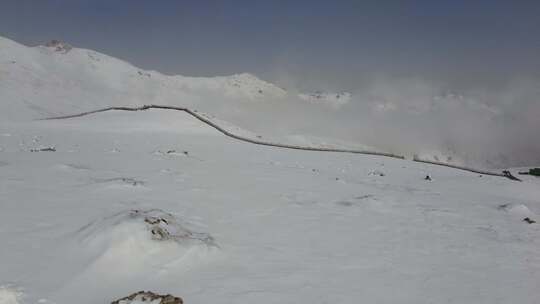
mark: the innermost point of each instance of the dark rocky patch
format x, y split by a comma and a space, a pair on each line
529, 220
149, 297
45, 149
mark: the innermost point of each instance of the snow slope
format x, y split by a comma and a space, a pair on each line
290, 226
57, 79
72, 79
285, 226
44, 81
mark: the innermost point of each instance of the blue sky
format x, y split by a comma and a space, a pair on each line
310, 44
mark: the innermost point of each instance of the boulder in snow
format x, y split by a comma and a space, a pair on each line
149, 297
161, 225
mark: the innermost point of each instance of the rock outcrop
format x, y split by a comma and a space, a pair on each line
59, 46
149, 297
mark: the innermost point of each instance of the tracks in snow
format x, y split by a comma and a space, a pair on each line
207, 121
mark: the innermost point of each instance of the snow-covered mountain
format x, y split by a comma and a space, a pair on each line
57, 78
97, 207
79, 79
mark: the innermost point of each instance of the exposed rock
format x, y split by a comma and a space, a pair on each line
123, 180
149, 297
161, 226
509, 175
44, 149
376, 172
529, 221
59, 46
164, 226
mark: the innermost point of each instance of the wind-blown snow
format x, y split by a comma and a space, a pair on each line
291, 226
407, 118
286, 226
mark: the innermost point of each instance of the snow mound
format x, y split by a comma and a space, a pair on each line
244, 86
159, 225
134, 248
518, 210
55, 79
10, 295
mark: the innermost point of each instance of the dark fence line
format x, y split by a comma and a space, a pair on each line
227, 133
207, 121
483, 172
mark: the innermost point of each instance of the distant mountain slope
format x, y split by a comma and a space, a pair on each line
409, 118
57, 78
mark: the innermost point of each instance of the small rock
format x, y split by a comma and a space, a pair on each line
377, 172
428, 178
149, 297
46, 149
529, 220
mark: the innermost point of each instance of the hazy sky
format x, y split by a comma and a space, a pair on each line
307, 43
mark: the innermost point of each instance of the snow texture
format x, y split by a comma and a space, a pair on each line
233, 222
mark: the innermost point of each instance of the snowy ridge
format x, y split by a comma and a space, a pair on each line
209, 122
251, 87
57, 79
72, 79
206, 120
291, 226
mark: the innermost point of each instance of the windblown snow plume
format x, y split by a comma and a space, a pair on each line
486, 127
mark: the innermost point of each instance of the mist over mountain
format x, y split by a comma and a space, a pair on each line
409, 116
266, 152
